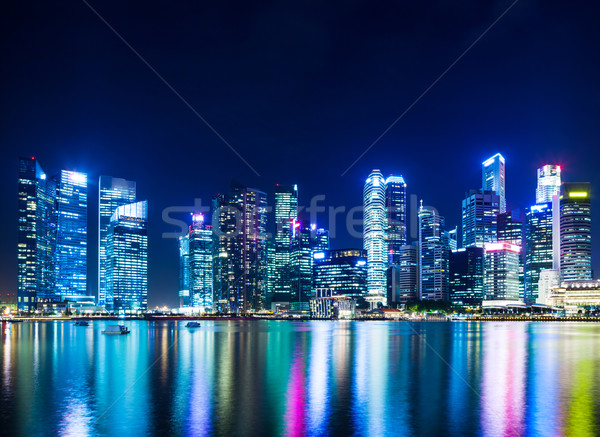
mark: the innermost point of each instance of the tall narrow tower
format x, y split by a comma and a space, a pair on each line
548, 183
493, 177
375, 232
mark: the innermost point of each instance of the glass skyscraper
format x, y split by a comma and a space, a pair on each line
548, 183
342, 271
36, 237
71, 234
502, 271
511, 228
301, 273
493, 172
395, 204
127, 259
538, 247
286, 212
112, 193
184, 271
200, 264
467, 267
374, 233
479, 218
434, 253
575, 232
403, 277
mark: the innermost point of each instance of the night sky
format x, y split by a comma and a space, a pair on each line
299, 89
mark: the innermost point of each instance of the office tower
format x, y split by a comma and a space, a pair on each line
71, 234
184, 271
493, 177
286, 211
36, 237
112, 193
453, 238
403, 277
467, 268
502, 271
301, 274
395, 208
270, 289
511, 228
201, 264
549, 279
321, 239
434, 253
239, 226
343, 271
575, 232
479, 218
538, 247
548, 183
127, 259
374, 233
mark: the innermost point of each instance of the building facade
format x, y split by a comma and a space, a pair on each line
493, 171
200, 260
375, 233
395, 207
342, 271
539, 253
286, 212
434, 256
575, 232
479, 218
403, 276
467, 274
548, 183
502, 271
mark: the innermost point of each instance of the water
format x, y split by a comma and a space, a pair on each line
297, 378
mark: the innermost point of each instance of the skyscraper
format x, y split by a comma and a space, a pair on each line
511, 228
301, 273
239, 223
467, 267
434, 253
479, 218
493, 171
403, 277
36, 236
201, 264
548, 183
127, 259
286, 211
343, 271
395, 206
374, 233
112, 193
575, 232
502, 271
184, 271
538, 247
71, 234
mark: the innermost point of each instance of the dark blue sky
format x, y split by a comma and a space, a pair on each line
300, 90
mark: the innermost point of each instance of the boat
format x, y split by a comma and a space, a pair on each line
82, 323
192, 325
116, 330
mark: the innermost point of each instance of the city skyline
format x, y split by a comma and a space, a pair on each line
318, 107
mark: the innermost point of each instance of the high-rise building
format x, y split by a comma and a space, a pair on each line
321, 238
286, 211
395, 207
434, 253
184, 271
575, 232
343, 271
502, 271
511, 228
201, 264
127, 259
493, 171
36, 236
538, 247
403, 277
453, 238
548, 183
112, 193
301, 268
71, 234
239, 223
375, 233
270, 289
549, 279
479, 218
467, 267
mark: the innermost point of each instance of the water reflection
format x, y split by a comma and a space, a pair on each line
288, 378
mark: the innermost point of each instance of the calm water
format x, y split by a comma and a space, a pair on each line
293, 378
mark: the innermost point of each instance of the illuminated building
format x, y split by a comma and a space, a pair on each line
575, 232
395, 207
286, 211
479, 218
240, 249
493, 171
326, 305
112, 193
453, 238
502, 271
549, 279
467, 268
511, 228
321, 238
403, 277
434, 254
36, 236
127, 259
270, 269
575, 294
301, 274
539, 254
71, 234
200, 264
548, 183
184, 271
374, 233
343, 271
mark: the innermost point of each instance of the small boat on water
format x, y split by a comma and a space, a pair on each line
116, 330
192, 325
82, 323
